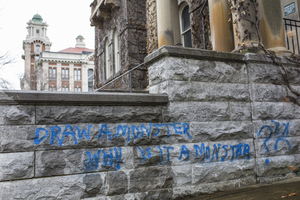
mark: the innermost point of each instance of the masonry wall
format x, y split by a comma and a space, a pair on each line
212, 121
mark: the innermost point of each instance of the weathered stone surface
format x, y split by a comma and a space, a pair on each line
148, 134
168, 68
206, 111
60, 188
157, 195
96, 114
15, 166
278, 111
270, 93
41, 137
276, 166
220, 131
286, 128
215, 172
222, 72
150, 178
208, 188
277, 145
199, 91
184, 154
64, 162
117, 182
182, 175
268, 73
17, 115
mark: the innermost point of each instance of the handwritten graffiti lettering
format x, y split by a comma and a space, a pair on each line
57, 134
112, 158
276, 132
205, 153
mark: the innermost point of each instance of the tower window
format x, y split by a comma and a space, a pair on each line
37, 32
186, 33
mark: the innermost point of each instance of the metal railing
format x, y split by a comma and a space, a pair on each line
292, 34
130, 81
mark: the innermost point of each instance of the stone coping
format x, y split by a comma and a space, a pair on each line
14, 97
202, 54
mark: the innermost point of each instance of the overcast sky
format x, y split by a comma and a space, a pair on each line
66, 19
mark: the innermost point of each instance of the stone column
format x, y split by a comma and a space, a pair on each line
245, 33
167, 22
271, 26
221, 28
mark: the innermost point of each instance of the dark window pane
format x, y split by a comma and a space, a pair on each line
187, 39
185, 19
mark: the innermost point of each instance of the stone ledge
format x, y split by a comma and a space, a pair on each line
11, 97
201, 54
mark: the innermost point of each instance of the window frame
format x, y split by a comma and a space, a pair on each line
107, 59
52, 73
65, 73
183, 32
116, 51
77, 76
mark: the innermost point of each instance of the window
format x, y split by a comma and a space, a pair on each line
52, 73
186, 33
65, 74
37, 49
77, 73
36, 58
77, 89
116, 51
38, 32
65, 89
90, 80
107, 60
52, 88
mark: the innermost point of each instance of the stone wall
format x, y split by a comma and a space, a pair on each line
130, 21
212, 121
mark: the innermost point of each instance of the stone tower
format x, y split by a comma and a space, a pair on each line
35, 43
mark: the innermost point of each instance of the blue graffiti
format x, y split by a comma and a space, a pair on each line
280, 137
58, 134
109, 160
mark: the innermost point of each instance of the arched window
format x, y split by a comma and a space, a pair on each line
107, 60
186, 33
116, 51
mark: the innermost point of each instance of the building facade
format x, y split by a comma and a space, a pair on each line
68, 70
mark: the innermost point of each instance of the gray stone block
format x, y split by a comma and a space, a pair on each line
64, 162
17, 115
209, 188
215, 172
221, 72
53, 115
201, 91
157, 195
286, 128
276, 166
62, 187
182, 175
268, 73
220, 131
28, 138
133, 196
277, 145
275, 111
269, 93
14, 166
150, 178
168, 68
117, 183
206, 111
